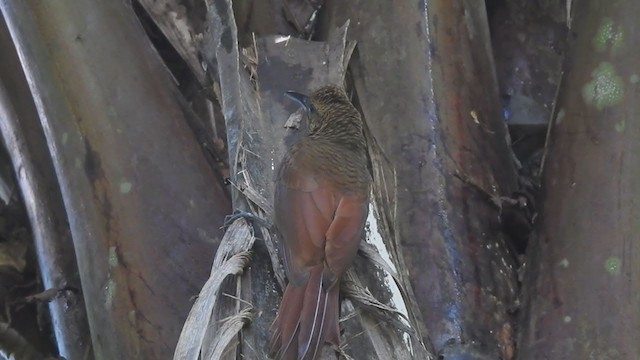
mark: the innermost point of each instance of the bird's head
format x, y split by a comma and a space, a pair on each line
323, 102
330, 112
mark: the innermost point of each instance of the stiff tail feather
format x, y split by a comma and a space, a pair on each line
308, 316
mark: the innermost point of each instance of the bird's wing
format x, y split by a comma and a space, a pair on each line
317, 222
343, 236
304, 208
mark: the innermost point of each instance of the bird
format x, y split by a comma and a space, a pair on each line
321, 203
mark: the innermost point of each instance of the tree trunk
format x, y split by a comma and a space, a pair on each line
583, 286
144, 207
425, 82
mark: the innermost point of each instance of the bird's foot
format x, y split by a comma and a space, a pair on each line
229, 219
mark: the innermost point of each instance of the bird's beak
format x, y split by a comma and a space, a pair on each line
301, 99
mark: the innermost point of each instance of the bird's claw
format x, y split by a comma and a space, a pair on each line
229, 219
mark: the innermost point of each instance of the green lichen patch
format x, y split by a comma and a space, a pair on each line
113, 257
621, 126
634, 78
125, 186
609, 36
564, 263
605, 89
109, 293
613, 265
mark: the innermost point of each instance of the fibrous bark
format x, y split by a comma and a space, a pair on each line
252, 84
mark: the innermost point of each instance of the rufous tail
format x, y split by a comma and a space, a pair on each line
308, 316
